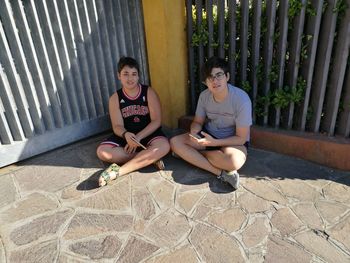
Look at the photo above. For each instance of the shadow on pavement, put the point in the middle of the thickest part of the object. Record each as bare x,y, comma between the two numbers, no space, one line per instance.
188,175
90,183
263,164
81,154
260,165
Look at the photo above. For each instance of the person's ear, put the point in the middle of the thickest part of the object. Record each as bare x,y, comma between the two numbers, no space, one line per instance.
227,76
118,75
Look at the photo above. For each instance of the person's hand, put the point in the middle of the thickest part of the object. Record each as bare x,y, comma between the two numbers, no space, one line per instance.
195,132
207,140
194,137
131,146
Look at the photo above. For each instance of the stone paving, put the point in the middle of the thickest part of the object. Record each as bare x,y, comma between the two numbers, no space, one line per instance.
286,210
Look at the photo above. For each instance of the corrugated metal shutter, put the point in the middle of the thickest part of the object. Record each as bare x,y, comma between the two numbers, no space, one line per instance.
58,64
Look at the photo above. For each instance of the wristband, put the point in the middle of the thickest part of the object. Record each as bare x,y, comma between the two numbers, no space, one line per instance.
123,134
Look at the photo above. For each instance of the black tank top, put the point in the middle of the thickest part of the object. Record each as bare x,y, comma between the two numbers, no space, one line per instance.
135,110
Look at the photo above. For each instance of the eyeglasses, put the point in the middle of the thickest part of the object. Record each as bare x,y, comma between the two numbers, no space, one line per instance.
218,76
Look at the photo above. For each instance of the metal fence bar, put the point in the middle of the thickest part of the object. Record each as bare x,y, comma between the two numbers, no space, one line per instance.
232,40
255,58
43,67
9,108
221,28
82,58
126,24
307,68
22,66
33,65
105,42
191,61
268,52
5,133
62,58
340,61
133,32
117,15
117,49
142,59
14,85
294,61
344,119
98,54
53,63
244,40
324,52
199,21
72,61
91,63
281,52
210,22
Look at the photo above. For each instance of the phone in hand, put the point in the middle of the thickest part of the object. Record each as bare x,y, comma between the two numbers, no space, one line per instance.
194,136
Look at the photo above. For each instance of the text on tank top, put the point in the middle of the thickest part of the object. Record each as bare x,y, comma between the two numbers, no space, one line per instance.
134,110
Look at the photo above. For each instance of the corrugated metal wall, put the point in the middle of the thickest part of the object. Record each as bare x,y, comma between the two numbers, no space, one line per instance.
58,64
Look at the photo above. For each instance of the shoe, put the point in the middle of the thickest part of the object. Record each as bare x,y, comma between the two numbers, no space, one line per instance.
106,175
231,178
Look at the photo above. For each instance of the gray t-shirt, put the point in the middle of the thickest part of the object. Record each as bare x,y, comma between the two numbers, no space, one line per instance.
223,117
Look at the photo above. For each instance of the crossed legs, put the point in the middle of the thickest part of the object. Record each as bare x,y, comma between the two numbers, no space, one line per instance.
214,161
132,162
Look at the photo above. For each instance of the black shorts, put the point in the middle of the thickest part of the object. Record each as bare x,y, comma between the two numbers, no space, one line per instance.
211,148
117,141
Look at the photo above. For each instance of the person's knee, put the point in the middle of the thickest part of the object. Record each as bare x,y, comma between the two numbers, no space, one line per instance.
236,163
160,149
165,148
103,155
98,152
175,142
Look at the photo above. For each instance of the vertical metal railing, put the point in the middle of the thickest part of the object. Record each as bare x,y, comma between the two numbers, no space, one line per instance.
297,77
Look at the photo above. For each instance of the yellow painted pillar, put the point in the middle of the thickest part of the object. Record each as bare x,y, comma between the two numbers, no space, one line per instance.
165,24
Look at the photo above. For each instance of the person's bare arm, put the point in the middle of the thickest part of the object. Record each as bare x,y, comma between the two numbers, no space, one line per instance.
197,125
242,135
116,115
154,107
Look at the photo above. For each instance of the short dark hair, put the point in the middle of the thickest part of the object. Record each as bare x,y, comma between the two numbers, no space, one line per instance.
213,62
128,61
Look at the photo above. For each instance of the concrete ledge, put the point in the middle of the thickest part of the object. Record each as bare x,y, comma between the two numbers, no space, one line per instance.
329,151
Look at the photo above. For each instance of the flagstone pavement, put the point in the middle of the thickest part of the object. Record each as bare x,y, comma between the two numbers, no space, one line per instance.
286,210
